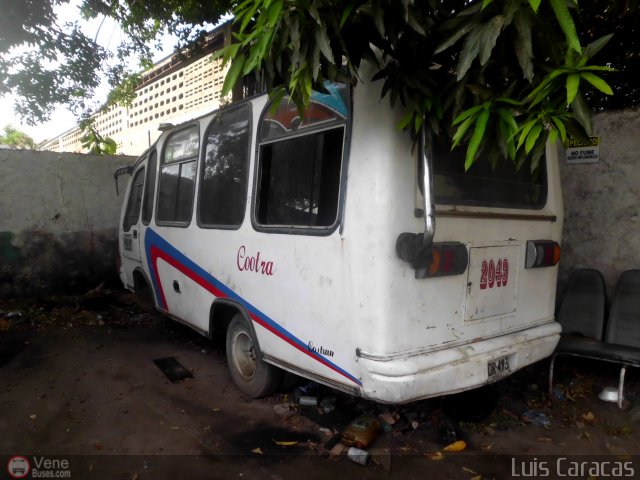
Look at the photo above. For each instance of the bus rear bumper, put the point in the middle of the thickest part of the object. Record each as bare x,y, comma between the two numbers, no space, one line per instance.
415,377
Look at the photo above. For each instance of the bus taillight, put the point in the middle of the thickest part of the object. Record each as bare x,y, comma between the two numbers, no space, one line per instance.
448,258
542,253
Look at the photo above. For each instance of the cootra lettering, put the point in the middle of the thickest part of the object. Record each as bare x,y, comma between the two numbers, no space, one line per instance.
253,263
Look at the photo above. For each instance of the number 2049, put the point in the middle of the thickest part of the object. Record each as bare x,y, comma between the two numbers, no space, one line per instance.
494,274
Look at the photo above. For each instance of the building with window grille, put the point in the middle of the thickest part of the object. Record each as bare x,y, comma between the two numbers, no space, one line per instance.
178,88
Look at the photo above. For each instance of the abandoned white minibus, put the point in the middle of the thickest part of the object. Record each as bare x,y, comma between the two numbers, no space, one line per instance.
311,244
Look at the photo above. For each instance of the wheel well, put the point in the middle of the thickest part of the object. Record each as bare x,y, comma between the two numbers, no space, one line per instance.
140,283
143,291
220,318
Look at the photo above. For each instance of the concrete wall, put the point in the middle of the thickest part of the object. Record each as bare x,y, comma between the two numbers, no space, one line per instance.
602,202
58,220
59,213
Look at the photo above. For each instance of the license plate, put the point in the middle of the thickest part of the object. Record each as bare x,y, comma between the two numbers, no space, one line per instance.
499,368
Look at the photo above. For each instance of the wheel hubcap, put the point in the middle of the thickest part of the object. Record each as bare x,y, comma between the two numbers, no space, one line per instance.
244,355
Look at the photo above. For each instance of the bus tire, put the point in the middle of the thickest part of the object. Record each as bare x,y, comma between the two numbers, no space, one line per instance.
249,372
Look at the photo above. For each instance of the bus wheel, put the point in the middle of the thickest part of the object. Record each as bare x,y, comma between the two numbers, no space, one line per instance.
251,375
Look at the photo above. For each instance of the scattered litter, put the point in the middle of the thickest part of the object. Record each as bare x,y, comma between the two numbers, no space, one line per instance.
414,424
285,443
435,456
333,441
33,416
544,439
308,401
326,431
258,451
328,404
609,394
337,450
468,470
589,417
450,434
15,314
387,417
328,408
361,432
359,456
537,418
558,394
456,446
284,410
306,390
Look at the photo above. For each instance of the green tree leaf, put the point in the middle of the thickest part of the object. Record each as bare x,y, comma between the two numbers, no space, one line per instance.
233,75
566,24
597,82
489,36
532,137
476,139
523,44
582,113
573,83
470,50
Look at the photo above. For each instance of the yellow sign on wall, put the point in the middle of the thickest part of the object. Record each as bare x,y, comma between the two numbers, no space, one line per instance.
580,152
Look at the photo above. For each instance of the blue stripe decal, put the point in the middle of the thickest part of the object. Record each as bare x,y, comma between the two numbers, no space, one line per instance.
153,239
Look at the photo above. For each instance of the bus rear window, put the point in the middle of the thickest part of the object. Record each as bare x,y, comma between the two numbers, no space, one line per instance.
482,185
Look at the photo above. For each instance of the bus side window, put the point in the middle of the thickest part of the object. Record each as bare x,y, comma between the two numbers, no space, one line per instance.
300,161
222,193
135,199
300,180
147,203
177,177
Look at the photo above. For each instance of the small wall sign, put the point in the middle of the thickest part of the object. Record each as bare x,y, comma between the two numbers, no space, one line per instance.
580,152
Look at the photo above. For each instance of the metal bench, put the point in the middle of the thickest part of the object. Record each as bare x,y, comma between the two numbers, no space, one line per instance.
582,318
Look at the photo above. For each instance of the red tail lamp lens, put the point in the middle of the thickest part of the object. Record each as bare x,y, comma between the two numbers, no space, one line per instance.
448,258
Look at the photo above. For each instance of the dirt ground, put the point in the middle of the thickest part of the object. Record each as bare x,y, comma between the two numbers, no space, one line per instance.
78,383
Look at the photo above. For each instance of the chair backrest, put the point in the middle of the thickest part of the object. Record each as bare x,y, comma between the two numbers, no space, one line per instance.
583,305
623,326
